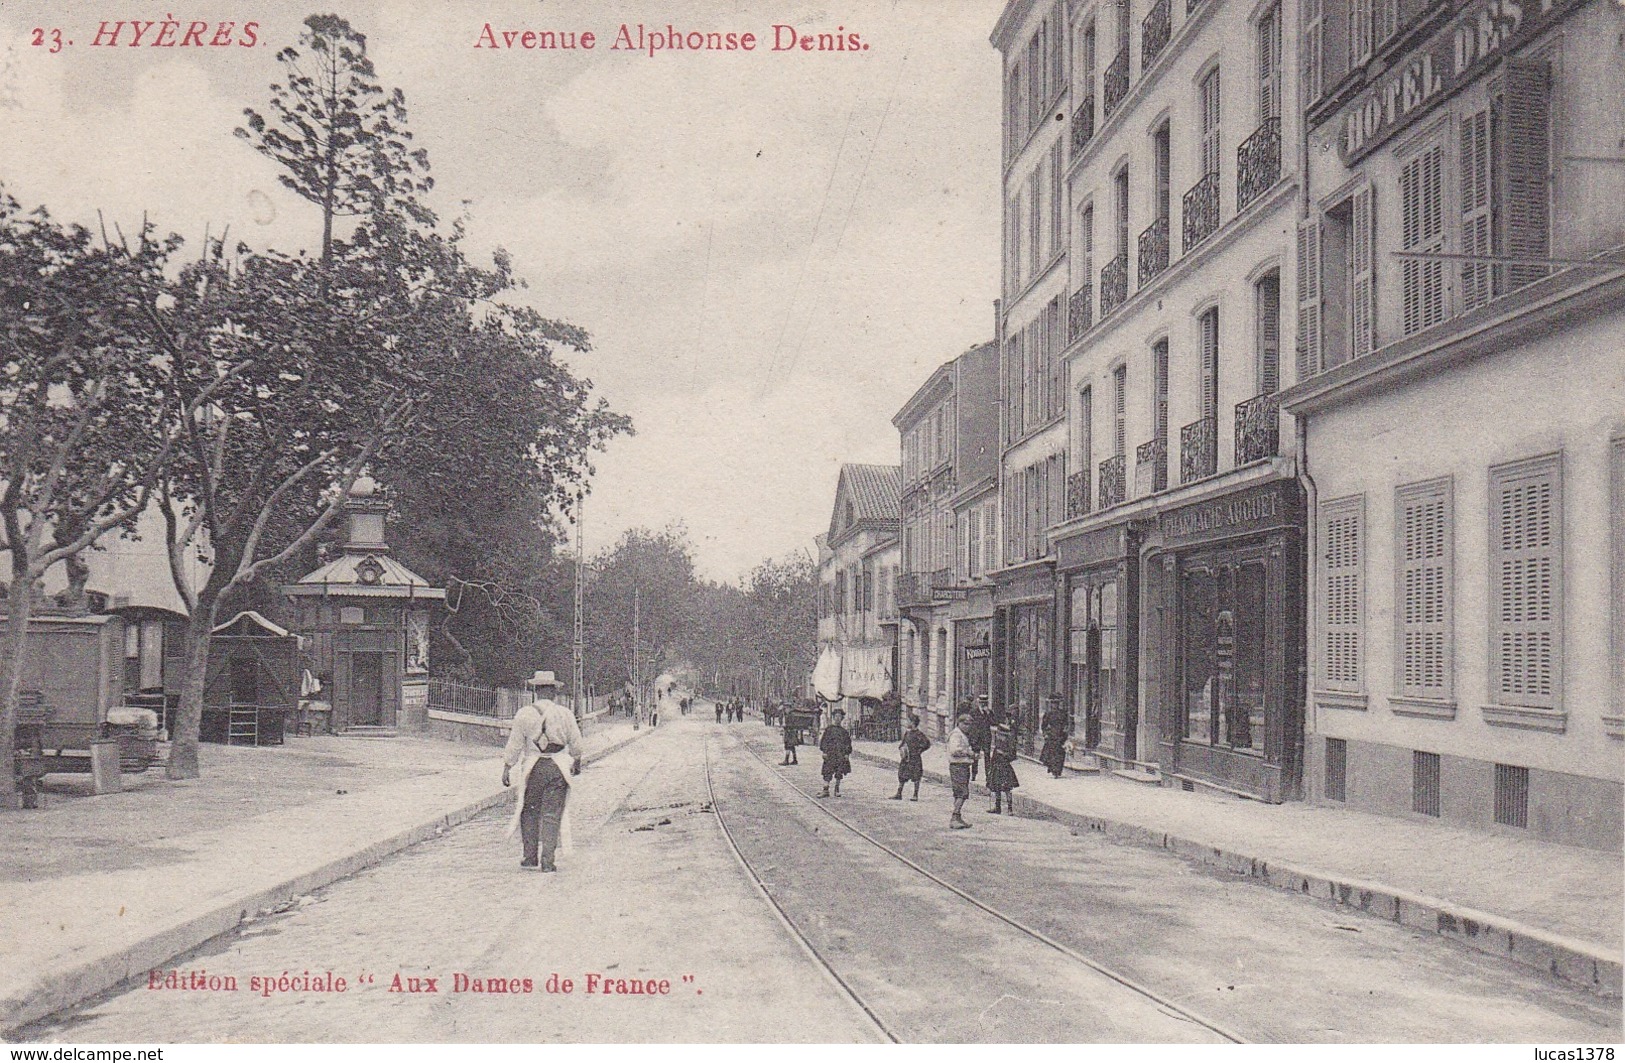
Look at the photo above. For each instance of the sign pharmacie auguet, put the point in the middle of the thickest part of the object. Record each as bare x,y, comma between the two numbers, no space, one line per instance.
1451,59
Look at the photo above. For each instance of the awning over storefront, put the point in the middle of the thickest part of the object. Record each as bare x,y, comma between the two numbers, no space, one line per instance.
867,672
826,675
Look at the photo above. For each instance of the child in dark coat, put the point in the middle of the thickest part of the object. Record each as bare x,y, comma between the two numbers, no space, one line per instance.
1001,765
910,768
836,745
792,738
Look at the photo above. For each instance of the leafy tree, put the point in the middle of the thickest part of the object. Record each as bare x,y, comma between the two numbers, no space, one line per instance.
658,569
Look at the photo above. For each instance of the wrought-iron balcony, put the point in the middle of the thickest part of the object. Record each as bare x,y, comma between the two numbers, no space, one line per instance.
1258,428
1201,211
1258,163
1115,86
1154,250
1151,467
1077,494
1154,32
1198,450
1113,481
1113,284
1080,312
1083,124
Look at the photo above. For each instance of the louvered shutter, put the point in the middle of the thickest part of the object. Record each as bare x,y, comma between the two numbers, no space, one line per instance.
1423,549
1057,198
1526,583
1523,158
989,540
1310,355
1210,364
1269,334
1476,285
1385,21
1120,410
1421,190
1311,48
1359,30
970,539
1362,273
1342,544
1269,66
1211,105
1159,389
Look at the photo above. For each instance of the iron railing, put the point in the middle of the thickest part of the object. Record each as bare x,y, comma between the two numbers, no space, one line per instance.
1113,481
1198,450
1151,467
446,695
1258,428
1154,32
1154,249
1201,211
1077,494
1080,312
1113,284
1258,162
1083,124
1115,85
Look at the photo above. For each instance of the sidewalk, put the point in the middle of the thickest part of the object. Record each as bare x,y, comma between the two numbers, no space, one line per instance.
1553,907
101,889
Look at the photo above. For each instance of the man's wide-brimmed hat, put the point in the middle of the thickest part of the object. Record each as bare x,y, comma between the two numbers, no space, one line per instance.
544,679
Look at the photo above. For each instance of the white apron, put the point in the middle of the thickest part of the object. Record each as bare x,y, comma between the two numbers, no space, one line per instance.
563,759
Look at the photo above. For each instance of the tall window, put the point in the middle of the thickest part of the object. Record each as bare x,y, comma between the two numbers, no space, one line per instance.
1522,105
1015,111
1120,206
1210,122
1210,364
1342,544
1421,196
1526,583
1424,607
1057,198
1159,391
1086,64
1359,30
1159,151
1055,368
1012,244
1476,212
1269,65
1035,228
1086,429
1086,228
1125,25
1267,329
1119,410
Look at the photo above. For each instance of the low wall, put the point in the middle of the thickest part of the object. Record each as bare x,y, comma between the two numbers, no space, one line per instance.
466,727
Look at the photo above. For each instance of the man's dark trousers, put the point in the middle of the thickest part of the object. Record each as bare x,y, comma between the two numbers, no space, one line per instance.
545,794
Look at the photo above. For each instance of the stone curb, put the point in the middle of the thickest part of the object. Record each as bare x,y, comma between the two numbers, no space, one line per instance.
1579,963
53,991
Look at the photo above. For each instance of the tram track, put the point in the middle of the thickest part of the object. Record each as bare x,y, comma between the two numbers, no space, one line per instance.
1166,1005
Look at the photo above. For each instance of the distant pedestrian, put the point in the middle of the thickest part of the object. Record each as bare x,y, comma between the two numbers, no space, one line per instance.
961,762
1056,727
836,745
910,767
792,738
980,733
719,707
545,743
1001,765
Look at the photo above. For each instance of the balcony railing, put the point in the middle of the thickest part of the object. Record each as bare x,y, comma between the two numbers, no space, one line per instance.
1080,312
1083,124
913,588
1116,85
1154,250
1151,467
1201,211
1154,33
1113,481
1113,284
1258,428
1198,450
1077,494
1258,163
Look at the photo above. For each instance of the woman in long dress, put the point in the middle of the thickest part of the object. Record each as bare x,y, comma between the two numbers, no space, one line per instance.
1055,728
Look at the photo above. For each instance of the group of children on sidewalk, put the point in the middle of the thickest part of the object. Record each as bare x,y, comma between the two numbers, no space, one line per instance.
977,737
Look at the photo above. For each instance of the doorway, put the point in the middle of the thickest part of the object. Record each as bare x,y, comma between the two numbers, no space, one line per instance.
367,690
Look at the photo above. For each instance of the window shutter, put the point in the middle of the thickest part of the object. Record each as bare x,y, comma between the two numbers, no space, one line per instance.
1269,66
1210,365
1424,533
989,540
1342,536
1360,31
1269,334
1035,222
1362,279
1421,189
1210,124
1385,22
1056,198
1120,411
1476,285
1309,353
1526,583
1523,157
1312,46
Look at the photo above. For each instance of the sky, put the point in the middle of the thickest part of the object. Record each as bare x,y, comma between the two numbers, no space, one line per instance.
770,250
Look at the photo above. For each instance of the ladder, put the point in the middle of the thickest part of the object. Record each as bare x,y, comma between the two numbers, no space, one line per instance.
243,726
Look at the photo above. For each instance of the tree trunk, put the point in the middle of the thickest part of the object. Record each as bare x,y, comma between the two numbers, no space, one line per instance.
13,653
189,712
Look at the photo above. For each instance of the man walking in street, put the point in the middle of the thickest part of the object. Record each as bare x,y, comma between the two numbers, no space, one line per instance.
980,733
545,743
961,761
836,745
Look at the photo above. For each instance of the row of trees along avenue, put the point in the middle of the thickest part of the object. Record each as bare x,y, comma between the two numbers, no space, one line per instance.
241,391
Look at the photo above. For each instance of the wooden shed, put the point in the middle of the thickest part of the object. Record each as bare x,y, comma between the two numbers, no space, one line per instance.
253,682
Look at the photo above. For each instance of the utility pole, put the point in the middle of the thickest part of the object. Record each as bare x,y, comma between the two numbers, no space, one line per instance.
637,668
578,666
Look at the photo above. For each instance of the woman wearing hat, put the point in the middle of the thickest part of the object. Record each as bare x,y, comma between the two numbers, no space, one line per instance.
836,745
1001,764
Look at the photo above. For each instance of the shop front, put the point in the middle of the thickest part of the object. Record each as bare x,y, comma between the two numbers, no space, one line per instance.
1098,573
1023,648
1227,586
973,653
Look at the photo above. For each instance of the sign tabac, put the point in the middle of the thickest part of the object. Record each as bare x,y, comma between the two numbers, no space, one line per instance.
1450,60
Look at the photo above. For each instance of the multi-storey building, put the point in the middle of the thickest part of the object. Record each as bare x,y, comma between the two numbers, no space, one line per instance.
1463,404
1161,502
857,573
949,435
1032,36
